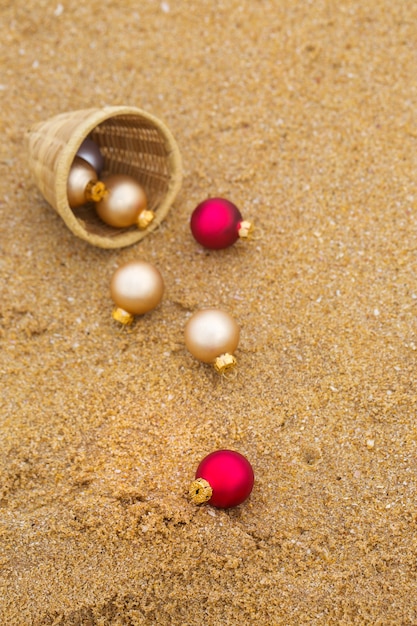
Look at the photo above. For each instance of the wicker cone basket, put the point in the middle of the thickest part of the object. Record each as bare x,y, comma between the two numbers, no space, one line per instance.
132,142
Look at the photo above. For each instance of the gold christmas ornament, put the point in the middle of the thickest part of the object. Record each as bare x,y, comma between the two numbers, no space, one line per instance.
212,335
136,288
124,204
82,184
132,142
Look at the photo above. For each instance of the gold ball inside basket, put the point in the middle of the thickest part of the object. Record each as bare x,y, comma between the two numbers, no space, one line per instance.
132,142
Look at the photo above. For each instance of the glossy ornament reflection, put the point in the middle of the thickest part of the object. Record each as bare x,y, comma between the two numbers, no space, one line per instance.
125,203
212,335
83,185
136,288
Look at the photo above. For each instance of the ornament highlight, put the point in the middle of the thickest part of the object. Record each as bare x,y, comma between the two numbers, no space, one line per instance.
83,185
217,223
90,152
212,335
224,479
136,288
125,203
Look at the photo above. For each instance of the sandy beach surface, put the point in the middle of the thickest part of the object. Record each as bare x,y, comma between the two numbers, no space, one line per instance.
304,114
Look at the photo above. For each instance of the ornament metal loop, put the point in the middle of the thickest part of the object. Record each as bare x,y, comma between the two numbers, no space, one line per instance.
229,373
200,491
122,316
245,229
145,218
224,362
95,191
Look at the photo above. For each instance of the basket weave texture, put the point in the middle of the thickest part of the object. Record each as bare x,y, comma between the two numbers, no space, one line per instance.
132,142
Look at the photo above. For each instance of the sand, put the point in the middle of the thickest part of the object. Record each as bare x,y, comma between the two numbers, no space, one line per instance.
304,115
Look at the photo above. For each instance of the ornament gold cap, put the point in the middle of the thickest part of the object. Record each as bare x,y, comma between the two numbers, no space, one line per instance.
95,191
122,316
245,229
145,218
200,491
224,362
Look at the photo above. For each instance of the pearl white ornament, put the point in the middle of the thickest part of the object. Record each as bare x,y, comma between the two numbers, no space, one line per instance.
136,288
212,335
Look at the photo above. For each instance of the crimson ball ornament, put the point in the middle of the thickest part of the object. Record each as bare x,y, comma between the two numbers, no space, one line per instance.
217,223
224,479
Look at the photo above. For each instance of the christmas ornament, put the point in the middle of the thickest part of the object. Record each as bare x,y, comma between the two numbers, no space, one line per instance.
217,223
224,479
124,204
90,152
82,184
212,336
136,288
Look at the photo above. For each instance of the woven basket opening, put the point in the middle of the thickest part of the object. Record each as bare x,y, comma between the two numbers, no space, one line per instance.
132,141
135,147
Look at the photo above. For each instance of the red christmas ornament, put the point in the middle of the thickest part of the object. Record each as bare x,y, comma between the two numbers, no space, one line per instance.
217,223
224,479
